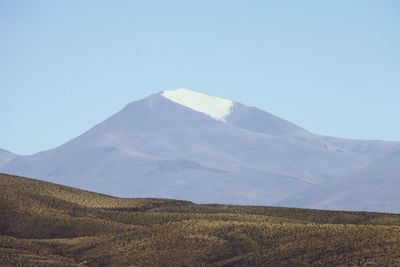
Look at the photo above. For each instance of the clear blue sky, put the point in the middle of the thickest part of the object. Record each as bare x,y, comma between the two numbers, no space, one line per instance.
332,67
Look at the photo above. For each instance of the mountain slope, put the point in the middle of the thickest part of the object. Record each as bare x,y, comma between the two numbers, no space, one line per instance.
5,157
372,188
43,224
175,147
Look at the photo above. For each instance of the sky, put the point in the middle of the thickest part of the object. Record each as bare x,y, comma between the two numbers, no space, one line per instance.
332,67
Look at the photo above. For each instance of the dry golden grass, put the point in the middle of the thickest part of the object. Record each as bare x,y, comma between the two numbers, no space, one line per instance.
43,224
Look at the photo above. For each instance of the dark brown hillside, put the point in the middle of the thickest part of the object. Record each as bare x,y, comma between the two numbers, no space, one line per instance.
43,224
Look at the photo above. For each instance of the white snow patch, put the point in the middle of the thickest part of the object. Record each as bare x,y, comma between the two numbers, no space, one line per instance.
215,107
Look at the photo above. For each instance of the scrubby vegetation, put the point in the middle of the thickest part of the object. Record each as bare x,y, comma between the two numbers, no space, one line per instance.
43,224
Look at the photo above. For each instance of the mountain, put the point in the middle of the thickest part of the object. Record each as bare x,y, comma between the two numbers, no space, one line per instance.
5,157
372,188
183,144
45,224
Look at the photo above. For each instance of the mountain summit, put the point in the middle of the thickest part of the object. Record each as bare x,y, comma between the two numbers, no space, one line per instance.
188,145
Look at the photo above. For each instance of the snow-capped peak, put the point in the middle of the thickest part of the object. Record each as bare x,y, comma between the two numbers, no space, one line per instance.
215,107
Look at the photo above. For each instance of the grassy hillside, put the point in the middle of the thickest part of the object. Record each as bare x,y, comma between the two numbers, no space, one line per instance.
43,224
